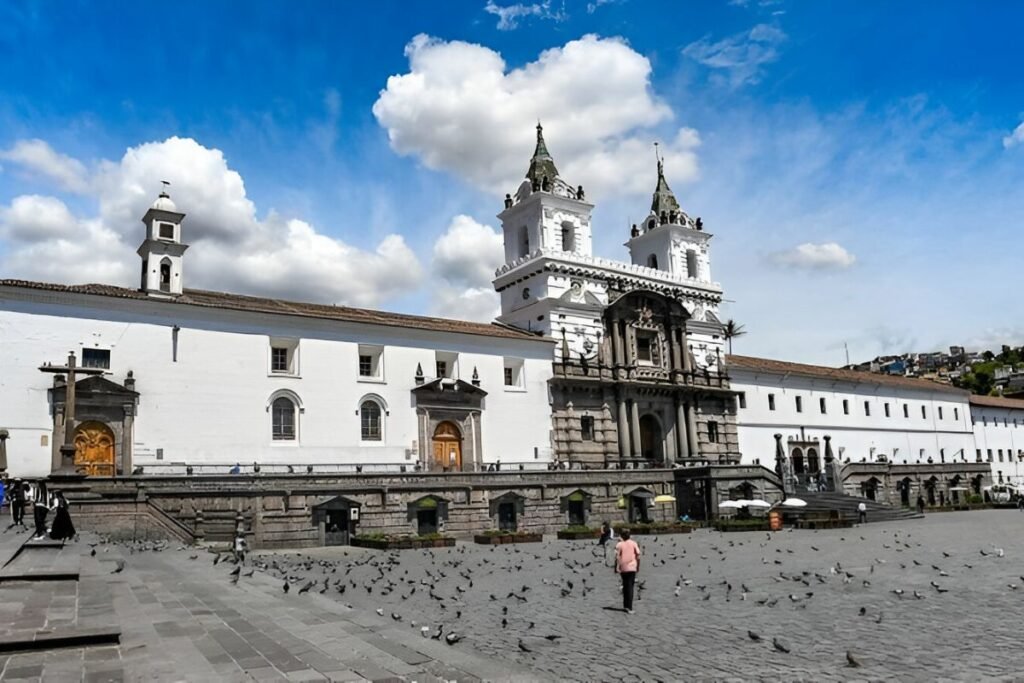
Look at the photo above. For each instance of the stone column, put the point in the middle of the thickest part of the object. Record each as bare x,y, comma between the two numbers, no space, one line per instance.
617,354
683,443
687,364
634,419
127,440
623,427
630,340
673,345
691,429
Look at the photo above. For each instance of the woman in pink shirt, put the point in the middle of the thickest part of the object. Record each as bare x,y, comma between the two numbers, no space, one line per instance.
627,564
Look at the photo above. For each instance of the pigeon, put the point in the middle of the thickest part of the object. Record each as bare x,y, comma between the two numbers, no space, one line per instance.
92,553
286,587
753,636
437,636
305,589
552,638
452,638
236,571
851,661
780,646
522,646
120,567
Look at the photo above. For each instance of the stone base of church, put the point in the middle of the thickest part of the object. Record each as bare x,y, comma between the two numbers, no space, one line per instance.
279,511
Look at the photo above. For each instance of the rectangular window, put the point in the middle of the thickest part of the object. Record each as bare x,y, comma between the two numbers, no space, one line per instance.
867,408
956,414
166,231
587,427
96,358
924,413
279,359
940,412
647,347
988,452
284,356
942,455
712,431
513,372
887,410
771,401
846,407
445,364
1000,455
906,410
977,455
370,365
799,404
821,406
743,401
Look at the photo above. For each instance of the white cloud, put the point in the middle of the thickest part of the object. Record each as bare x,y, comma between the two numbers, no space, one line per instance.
465,258
1014,138
468,252
37,158
509,15
814,256
232,249
741,56
459,109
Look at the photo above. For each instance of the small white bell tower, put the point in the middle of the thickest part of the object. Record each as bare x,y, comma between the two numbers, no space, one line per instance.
162,250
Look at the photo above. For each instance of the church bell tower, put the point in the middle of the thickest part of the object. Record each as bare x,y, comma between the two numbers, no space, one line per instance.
162,250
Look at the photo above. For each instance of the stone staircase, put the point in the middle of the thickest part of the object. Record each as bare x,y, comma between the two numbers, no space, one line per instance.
824,503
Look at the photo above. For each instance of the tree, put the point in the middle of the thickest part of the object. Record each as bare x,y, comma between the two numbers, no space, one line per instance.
732,330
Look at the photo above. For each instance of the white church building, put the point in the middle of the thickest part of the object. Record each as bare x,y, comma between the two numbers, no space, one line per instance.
593,363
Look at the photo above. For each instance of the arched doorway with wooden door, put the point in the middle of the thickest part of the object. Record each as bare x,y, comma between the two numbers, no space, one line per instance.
94,449
651,442
447,447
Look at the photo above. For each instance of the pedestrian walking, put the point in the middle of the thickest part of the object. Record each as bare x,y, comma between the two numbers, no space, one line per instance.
62,529
1020,503
606,534
17,496
627,564
240,546
920,505
40,510
862,513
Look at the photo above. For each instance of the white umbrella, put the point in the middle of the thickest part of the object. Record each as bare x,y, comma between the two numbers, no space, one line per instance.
794,503
730,504
757,503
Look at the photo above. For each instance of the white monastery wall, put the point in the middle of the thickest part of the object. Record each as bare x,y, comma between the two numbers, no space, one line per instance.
999,440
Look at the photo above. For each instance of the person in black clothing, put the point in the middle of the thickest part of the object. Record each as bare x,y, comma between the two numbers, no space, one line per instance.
17,496
920,505
40,509
62,528
606,533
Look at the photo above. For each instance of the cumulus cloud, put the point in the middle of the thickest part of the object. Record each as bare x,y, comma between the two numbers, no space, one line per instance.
739,59
1014,138
509,15
811,256
459,109
37,158
232,248
465,258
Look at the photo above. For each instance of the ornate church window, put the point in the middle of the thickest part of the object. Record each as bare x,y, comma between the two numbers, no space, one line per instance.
712,431
587,427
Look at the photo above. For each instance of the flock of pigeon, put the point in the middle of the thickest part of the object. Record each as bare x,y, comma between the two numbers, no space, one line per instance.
450,594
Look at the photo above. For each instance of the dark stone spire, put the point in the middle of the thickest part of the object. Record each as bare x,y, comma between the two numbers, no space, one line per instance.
541,165
664,202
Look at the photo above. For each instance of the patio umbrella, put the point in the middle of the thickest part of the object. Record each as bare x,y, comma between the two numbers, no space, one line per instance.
794,503
757,503
664,498
735,504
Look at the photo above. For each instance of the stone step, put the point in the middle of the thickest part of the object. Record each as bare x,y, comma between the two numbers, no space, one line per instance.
70,637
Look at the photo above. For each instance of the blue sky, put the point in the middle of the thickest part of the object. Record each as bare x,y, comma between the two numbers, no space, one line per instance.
858,163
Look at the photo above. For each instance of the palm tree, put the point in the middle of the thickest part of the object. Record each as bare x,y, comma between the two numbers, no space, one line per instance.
732,330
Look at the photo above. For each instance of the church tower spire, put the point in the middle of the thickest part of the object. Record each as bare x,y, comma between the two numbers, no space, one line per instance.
162,249
542,165
664,205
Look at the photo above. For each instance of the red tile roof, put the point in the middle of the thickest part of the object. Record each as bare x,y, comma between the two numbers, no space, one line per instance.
840,374
239,302
997,402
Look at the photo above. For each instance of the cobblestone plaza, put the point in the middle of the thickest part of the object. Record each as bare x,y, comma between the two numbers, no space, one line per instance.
925,599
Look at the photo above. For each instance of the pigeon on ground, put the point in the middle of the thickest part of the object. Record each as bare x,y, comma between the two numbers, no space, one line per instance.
780,646
452,638
851,661
522,646
120,567
753,636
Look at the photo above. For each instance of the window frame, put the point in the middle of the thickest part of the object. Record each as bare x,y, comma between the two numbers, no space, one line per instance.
375,353
92,350
451,361
587,428
297,411
713,433
517,368
291,349
771,402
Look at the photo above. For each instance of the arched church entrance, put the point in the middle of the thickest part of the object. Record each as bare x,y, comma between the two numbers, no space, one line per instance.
94,449
797,458
447,447
651,442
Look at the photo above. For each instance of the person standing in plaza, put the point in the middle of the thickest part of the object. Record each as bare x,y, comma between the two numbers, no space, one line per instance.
17,496
40,510
627,564
920,505
606,534
862,513
240,548
62,528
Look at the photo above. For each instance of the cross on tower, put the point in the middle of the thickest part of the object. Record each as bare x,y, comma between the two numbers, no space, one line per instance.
67,449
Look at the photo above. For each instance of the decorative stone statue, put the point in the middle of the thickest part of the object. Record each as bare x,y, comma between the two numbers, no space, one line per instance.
508,201
579,193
